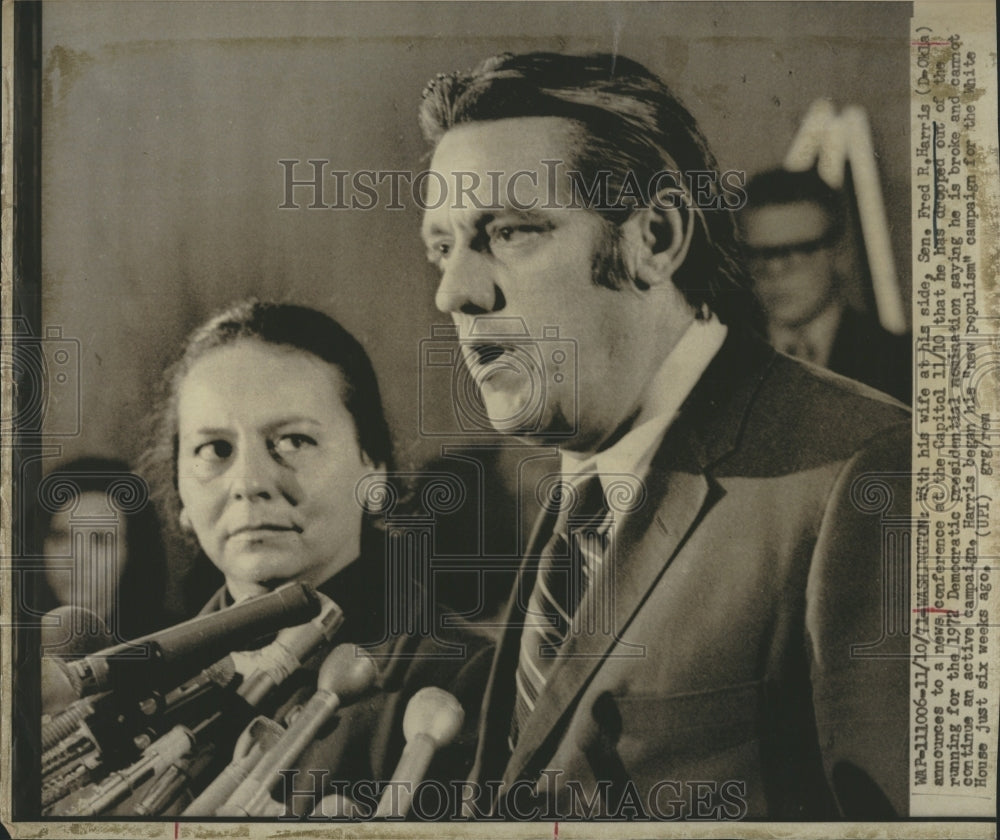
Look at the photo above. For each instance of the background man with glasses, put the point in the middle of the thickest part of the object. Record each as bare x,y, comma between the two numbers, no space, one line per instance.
792,226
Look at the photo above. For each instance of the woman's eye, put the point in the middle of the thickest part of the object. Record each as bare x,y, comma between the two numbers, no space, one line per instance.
213,450
292,443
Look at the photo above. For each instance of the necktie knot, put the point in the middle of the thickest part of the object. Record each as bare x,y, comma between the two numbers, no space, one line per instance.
582,506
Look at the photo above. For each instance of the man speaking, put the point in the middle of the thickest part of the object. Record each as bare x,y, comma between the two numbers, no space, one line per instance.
714,642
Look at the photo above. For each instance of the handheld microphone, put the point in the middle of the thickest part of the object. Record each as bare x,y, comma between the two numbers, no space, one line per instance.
67,631
267,668
432,719
61,685
155,760
57,727
163,658
68,767
117,720
55,789
263,671
260,735
346,675
72,630
170,786
121,727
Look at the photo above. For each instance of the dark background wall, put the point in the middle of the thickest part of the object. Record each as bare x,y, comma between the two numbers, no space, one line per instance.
163,124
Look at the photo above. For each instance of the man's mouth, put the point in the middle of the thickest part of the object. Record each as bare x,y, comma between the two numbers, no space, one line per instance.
486,354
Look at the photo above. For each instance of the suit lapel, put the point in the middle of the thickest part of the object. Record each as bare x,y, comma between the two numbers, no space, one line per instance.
644,543
646,540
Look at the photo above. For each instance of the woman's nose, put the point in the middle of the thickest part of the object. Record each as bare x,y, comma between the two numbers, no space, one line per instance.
254,473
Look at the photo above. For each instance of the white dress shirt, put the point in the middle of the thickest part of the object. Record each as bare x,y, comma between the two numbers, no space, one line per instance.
666,392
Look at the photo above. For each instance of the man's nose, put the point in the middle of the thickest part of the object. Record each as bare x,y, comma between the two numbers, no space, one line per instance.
467,285
254,473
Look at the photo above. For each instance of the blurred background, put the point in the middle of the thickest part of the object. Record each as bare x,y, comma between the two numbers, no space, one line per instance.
163,124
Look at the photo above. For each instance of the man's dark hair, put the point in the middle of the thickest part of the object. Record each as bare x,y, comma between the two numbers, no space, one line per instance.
780,186
631,126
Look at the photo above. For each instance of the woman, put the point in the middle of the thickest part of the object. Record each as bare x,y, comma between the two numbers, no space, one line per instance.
271,418
102,548
271,424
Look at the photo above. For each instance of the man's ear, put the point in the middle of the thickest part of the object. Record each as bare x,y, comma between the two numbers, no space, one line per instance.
184,519
657,239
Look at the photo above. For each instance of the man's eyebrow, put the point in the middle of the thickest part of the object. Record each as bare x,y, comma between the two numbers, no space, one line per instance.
524,214
478,223
434,229
482,219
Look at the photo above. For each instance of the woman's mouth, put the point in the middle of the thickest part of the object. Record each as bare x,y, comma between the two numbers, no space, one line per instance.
263,529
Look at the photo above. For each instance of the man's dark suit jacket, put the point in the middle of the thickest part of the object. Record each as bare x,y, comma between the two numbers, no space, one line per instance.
756,646
864,351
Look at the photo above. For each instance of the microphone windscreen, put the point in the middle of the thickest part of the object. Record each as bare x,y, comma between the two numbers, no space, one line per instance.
68,632
71,630
435,713
349,672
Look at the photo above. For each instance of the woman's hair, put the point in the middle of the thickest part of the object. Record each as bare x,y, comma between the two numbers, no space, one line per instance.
283,325
144,575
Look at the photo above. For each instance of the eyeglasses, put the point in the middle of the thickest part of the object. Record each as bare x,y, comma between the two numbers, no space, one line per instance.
789,250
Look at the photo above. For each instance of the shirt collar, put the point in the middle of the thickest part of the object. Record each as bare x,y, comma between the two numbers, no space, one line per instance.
667,390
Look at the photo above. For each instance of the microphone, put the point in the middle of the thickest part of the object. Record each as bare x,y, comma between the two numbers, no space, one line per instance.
203,687
346,675
116,720
260,735
72,630
432,719
61,686
67,631
121,727
171,756
62,725
170,786
263,671
69,768
163,658
155,759
267,668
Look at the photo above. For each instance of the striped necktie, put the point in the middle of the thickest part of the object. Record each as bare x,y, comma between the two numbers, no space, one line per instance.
567,562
